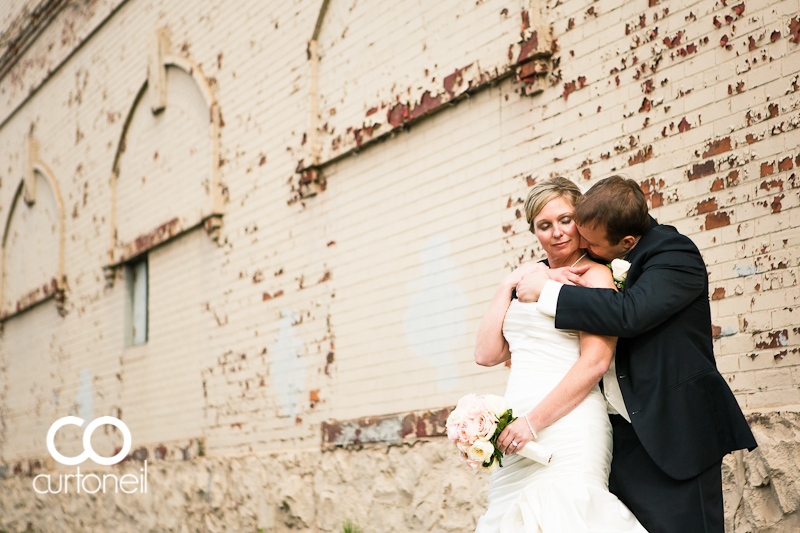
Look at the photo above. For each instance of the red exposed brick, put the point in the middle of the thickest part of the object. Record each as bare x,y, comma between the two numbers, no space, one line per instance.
732,179
719,293
684,125
785,164
675,41
657,200
794,30
718,185
766,169
772,184
528,48
706,206
397,114
776,204
718,147
773,110
717,220
775,339
426,104
568,88
702,169
738,9
641,156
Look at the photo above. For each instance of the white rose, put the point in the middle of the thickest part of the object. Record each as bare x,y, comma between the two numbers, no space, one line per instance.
619,269
497,405
480,451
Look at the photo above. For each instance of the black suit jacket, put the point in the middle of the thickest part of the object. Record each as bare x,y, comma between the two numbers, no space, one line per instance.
681,408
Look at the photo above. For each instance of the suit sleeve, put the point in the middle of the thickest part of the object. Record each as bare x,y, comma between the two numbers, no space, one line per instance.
670,281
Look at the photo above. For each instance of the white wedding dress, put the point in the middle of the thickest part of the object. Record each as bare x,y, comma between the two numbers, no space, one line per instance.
570,495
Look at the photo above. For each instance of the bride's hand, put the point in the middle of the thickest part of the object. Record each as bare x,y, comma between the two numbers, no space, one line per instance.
531,285
521,271
569,275
516,432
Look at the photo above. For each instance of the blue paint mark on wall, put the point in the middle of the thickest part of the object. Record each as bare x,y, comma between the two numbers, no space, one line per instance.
287,367
84,398
435,319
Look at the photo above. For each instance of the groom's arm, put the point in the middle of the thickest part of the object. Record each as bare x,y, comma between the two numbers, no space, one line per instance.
670,281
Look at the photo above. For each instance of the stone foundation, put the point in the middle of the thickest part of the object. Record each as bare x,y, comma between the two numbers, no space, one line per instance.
417,485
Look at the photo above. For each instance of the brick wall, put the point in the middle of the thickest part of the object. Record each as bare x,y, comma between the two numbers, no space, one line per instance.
354,260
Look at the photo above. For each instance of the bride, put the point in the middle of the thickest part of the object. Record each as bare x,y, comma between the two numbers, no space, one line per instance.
553,389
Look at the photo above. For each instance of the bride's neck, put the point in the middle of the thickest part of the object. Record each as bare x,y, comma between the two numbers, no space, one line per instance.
566,261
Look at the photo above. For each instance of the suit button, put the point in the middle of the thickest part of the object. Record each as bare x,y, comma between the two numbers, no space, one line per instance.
633,413
622,376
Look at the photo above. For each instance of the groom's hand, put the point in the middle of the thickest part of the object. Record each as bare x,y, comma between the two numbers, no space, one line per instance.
530,287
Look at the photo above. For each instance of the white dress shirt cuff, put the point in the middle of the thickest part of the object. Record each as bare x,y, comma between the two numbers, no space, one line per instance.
548,300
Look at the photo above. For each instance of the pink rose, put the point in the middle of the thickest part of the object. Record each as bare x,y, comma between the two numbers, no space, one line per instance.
465,400
473,464
486,426
469,430
453,432
476,407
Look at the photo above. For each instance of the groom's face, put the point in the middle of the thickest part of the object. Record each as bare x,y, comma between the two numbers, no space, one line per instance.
595,241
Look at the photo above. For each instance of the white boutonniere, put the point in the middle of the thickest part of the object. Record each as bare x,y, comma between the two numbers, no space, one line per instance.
619,271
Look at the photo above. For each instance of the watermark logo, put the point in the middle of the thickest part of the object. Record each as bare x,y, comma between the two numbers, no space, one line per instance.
88,451
128,483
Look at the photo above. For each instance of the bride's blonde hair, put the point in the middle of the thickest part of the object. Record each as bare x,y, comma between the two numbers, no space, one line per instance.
543,192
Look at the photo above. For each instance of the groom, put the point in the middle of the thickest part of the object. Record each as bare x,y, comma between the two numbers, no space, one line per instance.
678,417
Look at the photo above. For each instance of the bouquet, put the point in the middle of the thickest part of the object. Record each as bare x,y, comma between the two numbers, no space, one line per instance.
475,424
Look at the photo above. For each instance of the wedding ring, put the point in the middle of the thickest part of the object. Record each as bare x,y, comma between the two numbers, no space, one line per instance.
514,443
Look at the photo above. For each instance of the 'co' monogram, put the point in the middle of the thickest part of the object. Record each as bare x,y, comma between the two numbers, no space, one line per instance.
88,452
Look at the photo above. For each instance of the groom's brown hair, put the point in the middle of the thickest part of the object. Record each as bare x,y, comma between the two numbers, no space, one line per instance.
616,203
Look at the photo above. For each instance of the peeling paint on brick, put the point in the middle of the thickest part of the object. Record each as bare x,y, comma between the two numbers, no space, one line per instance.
707,206
701,169
717,220
717,147
641,156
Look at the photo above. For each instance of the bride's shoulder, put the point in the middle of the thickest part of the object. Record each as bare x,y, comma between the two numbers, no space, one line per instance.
599,275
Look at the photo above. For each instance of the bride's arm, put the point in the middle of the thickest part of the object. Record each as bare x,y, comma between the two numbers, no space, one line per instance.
596,353
491,347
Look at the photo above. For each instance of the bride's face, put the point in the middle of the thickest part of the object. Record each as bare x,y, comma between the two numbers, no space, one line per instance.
555,228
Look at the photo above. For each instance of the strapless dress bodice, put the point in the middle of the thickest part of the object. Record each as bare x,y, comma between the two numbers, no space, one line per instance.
541,355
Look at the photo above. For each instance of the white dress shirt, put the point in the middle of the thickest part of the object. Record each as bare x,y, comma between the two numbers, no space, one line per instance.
547,304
